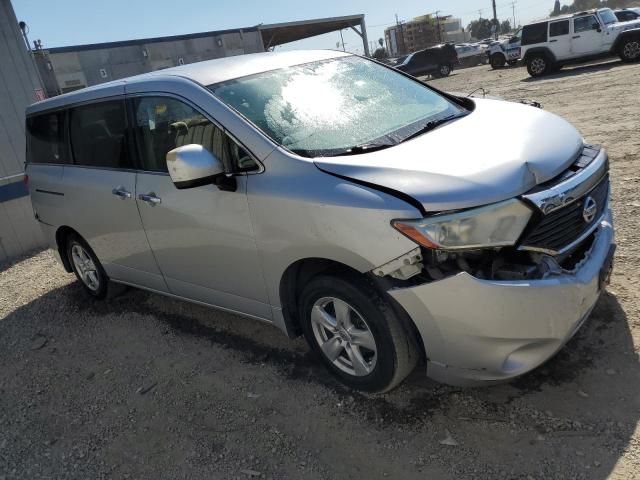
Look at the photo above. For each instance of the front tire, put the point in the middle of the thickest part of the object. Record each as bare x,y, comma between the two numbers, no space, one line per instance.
630,50
356,333
498,61
538,65
444,70
87,267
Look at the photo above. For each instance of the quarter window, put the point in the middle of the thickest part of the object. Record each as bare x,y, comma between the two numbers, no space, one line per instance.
584,24
98,135
557,29
46,141
163,123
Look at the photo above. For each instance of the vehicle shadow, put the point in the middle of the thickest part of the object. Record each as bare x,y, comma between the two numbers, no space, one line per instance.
584,399
579,69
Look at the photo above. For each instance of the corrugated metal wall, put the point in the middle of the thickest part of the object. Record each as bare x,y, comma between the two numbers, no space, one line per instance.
19,232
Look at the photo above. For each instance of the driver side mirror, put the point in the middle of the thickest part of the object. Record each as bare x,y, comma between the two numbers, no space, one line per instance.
193,166
596,26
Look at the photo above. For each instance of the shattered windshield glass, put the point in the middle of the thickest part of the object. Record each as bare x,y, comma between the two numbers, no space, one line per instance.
331,106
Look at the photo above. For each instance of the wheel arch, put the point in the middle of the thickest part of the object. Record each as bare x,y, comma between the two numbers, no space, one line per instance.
298,274
633,33
62,234
537,51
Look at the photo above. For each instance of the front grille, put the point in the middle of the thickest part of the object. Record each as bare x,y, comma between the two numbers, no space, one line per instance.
565,225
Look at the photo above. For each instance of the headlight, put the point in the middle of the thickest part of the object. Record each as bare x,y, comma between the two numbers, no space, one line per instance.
496,225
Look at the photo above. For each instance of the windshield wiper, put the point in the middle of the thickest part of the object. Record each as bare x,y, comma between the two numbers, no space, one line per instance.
366,148
430,126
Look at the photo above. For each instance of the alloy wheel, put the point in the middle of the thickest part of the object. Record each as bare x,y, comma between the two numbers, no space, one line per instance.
538,65
85,267
632,50
445,70
343,336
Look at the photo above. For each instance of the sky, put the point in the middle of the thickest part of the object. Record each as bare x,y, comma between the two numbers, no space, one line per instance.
73,22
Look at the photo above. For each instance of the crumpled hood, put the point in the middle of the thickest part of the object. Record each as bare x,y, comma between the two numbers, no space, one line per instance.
499,151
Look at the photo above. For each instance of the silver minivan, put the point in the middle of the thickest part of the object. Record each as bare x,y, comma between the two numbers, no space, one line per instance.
336,198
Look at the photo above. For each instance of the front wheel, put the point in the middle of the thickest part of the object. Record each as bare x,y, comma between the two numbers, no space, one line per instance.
537,65
498,61
356,333
630,50
444,70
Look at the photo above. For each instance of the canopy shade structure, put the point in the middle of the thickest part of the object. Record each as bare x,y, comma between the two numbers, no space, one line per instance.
280,33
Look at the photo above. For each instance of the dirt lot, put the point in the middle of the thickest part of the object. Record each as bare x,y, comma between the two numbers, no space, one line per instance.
147,387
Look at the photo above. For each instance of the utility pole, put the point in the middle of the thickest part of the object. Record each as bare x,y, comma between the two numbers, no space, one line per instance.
513,9
495,18
438,26
400,29
342,40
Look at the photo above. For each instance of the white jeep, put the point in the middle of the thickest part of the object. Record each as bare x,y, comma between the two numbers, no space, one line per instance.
549,45
505,51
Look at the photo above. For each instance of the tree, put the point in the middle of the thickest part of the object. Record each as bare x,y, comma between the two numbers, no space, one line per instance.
480,28
556,9
381,42
380,53
505,26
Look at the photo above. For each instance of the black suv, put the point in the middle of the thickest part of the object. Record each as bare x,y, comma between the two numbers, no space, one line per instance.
437,61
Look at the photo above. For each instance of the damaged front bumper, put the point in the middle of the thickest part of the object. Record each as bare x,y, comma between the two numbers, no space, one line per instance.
478,331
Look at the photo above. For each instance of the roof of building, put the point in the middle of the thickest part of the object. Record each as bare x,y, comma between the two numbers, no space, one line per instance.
205,73
287,32
146,41
272,34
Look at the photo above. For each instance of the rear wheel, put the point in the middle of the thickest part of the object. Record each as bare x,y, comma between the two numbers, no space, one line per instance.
87,267
498,61
537,65
356,333
630,50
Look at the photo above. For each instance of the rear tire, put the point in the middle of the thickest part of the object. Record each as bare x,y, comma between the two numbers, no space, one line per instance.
356,333
87,267
498,61
538,65
630,50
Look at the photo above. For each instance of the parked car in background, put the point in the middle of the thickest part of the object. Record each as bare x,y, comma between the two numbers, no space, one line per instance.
437,61
470,55
549,45
335,198
505,51
627,14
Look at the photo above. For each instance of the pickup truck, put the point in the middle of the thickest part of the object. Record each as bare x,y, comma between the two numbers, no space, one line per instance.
550,44
505,51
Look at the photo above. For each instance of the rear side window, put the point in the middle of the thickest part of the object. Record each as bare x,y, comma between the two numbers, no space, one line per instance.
99,135
557,29
46,142
536,33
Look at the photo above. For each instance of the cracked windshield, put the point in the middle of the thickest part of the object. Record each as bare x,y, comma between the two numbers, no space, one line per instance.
328,107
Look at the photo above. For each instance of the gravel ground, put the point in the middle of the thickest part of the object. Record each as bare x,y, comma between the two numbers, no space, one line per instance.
142,386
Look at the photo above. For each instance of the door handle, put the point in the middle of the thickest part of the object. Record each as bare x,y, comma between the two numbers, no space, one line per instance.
576,36
150,198
121,193
552,41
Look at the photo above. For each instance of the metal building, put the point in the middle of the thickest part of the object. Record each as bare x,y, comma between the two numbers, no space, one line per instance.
65,69
19,87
